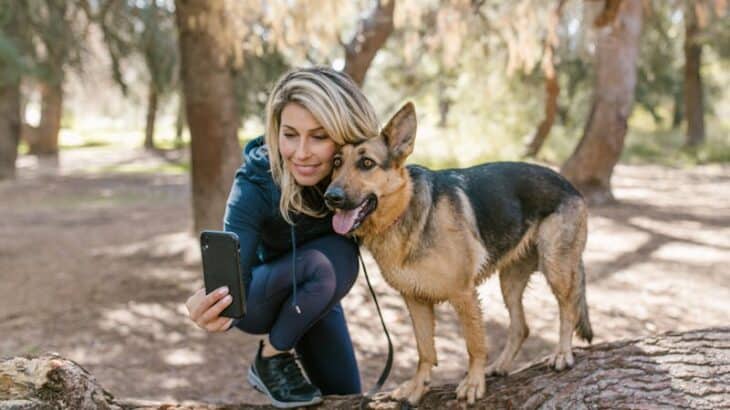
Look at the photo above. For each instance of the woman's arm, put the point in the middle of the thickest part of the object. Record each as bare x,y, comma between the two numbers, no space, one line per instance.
246,209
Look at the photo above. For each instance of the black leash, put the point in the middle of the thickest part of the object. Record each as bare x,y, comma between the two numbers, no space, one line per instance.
389,361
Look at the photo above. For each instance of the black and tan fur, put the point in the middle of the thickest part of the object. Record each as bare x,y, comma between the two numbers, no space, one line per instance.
436,235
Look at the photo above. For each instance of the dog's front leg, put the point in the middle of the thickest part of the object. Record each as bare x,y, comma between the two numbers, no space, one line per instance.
423,324
472,387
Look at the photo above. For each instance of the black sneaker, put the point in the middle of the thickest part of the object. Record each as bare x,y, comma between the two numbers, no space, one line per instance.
281,378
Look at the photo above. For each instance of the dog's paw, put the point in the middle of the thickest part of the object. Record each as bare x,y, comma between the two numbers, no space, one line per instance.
561,360
497,369
402,391
472,387
412,391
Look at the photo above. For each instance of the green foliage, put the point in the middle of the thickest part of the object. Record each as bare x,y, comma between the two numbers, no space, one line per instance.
14,42
255,80
666,147
115,20
11,60
492,111
455,60
170,168
158,43
660,65
143,28
50,35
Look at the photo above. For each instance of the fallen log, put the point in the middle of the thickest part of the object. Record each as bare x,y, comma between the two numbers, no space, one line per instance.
673,370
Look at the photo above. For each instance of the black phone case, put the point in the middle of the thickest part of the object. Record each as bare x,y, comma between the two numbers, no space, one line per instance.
221,267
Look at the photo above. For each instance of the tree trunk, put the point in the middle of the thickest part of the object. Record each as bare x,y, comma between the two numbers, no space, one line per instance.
608,14
46,143
590,166
371,35
673,370
10,94
180,123
693,98
552,87
211,107
149,133
9,128
677,109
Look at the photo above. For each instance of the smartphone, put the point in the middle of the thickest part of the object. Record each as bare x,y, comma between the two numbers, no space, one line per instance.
221,267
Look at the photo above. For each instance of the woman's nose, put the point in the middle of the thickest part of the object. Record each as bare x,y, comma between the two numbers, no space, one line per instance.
302,149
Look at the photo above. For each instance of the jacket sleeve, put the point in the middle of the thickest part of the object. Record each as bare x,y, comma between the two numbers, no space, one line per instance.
246,209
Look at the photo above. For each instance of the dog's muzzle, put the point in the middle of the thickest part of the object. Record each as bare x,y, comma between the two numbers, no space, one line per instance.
334,197
348,214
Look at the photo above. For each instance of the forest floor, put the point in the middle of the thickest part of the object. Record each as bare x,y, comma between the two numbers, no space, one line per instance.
97,266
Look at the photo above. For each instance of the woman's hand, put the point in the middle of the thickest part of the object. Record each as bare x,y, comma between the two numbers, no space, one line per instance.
205,310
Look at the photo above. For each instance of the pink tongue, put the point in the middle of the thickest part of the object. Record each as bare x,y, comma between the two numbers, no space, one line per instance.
343,221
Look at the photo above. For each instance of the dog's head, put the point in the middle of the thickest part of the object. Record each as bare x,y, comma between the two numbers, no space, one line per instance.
365,174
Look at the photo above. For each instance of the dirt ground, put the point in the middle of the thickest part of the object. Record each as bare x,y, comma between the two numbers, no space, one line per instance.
97,267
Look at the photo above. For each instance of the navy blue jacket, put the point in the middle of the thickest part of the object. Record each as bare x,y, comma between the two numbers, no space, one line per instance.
252,212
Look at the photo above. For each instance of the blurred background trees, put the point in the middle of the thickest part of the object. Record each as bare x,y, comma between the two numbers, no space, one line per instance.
580,84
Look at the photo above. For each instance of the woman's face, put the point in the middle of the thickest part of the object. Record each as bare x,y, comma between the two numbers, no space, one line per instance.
306,148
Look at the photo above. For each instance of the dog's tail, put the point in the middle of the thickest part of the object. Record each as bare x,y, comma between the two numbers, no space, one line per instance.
583,327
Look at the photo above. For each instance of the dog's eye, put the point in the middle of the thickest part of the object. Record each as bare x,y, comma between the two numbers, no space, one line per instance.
337,162
367,163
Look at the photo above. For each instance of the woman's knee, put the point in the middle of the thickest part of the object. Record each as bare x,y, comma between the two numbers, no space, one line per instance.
342,253
249,324
345,261
319,270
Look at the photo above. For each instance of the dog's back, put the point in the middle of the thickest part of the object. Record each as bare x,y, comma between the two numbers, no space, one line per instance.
506,197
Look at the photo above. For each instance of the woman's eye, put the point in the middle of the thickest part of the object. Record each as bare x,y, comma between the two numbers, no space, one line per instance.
320,137
289,135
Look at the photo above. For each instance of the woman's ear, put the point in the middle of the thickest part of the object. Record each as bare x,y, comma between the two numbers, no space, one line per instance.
400,133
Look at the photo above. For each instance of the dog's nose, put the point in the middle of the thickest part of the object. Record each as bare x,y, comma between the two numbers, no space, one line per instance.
335,197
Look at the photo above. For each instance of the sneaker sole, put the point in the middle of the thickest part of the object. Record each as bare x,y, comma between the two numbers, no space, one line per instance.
257,384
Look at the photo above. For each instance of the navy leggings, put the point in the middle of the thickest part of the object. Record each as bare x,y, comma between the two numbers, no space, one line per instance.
326,269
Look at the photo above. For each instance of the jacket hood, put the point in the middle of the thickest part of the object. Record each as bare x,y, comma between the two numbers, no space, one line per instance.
256,161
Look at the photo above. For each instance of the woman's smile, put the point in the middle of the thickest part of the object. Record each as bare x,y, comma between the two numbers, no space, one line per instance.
306,169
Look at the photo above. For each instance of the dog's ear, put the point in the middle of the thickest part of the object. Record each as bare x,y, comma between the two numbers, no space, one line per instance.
400,133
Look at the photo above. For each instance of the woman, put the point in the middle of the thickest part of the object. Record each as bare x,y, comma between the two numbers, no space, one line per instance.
295,268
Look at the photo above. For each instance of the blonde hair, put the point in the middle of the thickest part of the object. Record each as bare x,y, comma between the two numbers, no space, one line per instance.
336,103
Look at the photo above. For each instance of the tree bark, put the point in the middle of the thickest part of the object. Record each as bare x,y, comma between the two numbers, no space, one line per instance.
372,33
693,95
608,14
9,128
46,143
677,109
211,108
149,133
673,370
552,87
10,97
180,123
590,166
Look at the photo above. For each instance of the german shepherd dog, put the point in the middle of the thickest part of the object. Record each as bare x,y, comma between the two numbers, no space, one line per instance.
436,235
